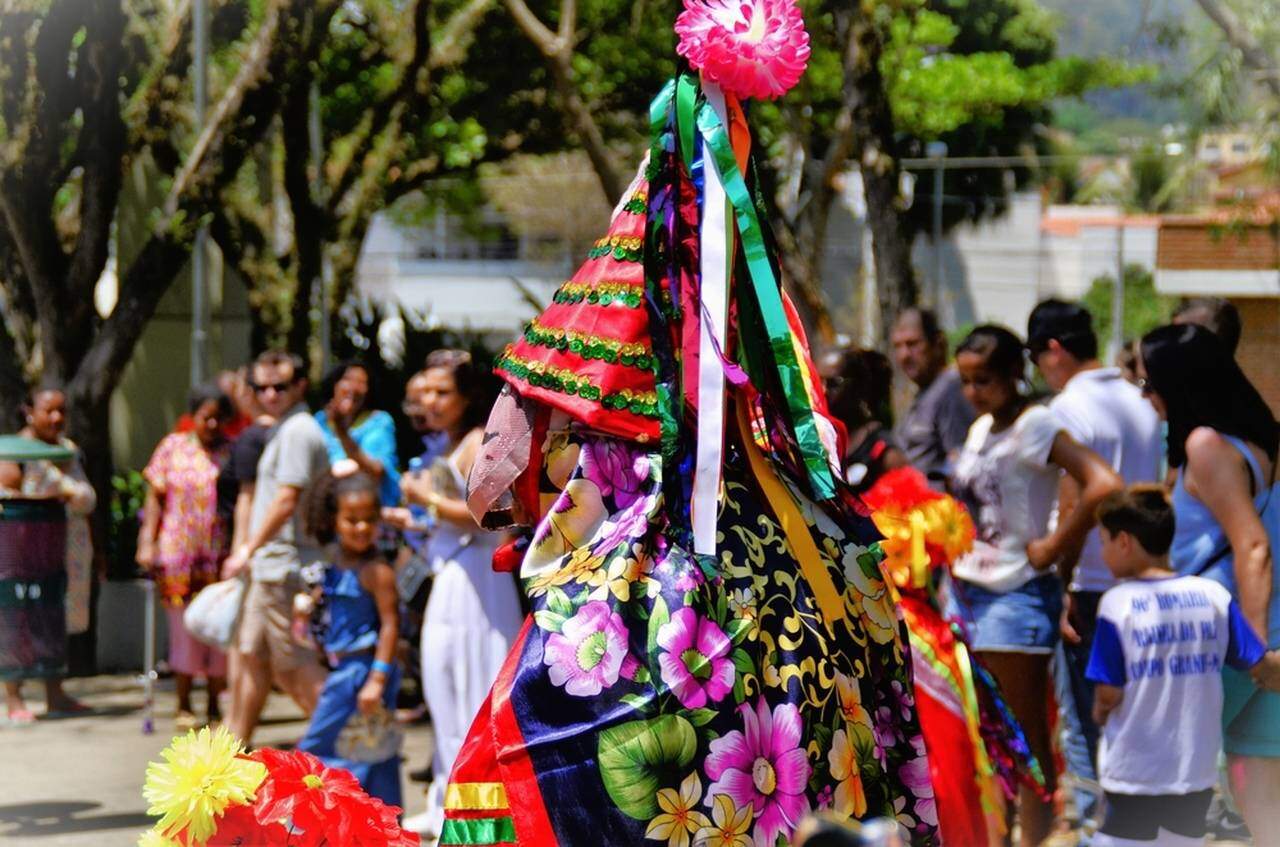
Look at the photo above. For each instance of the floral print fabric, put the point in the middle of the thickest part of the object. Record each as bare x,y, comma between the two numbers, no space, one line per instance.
191,540
708,703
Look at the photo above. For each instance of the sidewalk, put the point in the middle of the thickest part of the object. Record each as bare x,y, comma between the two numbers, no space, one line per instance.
77,782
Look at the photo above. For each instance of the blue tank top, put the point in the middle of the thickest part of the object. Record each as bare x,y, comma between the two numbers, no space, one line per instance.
353,620
1198,537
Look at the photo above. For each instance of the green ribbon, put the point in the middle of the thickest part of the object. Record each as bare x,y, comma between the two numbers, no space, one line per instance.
767,294
478,831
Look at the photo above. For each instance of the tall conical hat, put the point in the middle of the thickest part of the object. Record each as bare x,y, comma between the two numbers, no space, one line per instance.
589,353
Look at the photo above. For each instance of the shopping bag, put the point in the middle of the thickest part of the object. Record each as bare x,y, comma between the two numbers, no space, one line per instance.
213,615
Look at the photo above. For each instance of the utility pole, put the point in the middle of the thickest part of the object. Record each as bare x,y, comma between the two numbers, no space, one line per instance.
937,153
1117,293
199,261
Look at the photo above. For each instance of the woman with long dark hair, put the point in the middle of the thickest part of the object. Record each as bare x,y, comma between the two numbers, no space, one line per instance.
473,614
1006,590
1223,441
357,437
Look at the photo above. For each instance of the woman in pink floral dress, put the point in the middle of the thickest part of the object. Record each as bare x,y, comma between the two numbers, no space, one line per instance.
183,541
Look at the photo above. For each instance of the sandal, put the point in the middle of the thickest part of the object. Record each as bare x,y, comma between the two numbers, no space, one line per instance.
20,717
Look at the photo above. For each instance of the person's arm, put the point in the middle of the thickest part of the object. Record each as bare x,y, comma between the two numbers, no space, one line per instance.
76,491
10,475
1096,480
418,488
1106,699
278,514
1218,476
1106,668
243,514
380,581
151,509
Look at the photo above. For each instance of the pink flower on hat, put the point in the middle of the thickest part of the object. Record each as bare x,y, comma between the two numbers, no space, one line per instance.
753,48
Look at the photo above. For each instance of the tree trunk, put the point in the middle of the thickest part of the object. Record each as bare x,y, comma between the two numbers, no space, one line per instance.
874,150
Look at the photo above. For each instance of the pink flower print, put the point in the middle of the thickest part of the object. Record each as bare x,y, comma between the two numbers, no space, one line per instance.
586,656
902,699
695,664
616,469
916,779
765,767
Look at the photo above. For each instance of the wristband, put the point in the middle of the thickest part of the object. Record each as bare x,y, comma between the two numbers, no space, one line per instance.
381,667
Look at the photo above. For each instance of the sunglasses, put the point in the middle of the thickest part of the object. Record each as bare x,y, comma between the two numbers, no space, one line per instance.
277,387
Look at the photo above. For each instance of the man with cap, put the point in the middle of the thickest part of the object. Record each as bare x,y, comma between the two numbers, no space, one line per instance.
1108,414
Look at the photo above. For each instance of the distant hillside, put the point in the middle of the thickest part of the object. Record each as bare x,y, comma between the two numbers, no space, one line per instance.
1124,29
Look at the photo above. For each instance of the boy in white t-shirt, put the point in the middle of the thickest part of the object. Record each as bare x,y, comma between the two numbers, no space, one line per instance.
1157,658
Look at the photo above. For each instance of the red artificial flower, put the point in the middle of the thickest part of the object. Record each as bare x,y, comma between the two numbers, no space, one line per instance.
321,804
240,827
383,827
901,488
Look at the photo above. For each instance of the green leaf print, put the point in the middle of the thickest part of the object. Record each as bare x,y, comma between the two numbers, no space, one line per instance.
638,758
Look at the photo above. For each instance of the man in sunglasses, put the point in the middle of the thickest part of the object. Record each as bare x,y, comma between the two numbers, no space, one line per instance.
294,460
1108,414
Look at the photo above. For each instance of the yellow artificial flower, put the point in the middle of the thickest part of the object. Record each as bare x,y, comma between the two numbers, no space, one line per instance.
678,820
729,828
201,775
156,838
950,527
850,798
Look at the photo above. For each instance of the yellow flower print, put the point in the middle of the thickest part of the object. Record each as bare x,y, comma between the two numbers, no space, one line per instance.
678,820
571,523
629,573
582,566
850,798
850,697
561,457
729,827
743,603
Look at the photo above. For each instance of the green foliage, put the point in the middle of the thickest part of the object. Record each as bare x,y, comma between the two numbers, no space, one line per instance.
1144,308
128,494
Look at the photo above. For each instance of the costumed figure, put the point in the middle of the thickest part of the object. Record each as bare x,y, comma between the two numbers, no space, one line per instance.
713,652
978,755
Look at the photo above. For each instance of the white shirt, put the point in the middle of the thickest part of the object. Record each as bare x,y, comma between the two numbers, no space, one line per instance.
1165,641
1108,414
1010,488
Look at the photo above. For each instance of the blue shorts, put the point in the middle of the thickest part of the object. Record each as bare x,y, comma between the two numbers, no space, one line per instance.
1024,620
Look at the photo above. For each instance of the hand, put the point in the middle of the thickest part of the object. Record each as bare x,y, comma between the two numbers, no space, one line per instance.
1267,672
236,562
370,696
1040,553
340,411
417,488
344,468
397,516
1067,624
146,556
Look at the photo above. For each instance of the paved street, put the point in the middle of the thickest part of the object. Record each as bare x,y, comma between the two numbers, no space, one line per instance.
78,782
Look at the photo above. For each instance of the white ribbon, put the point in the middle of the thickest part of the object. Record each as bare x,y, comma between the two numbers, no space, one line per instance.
717,250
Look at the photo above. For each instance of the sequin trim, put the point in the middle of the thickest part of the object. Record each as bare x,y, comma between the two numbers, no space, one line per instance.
626,294
581,344
624,248
541,375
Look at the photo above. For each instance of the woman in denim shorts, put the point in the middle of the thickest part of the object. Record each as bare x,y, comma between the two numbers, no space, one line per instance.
1005,590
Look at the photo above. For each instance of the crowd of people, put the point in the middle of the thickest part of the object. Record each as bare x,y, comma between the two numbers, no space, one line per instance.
1110,504
1175,451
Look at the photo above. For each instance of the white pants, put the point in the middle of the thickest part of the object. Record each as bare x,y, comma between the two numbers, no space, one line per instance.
466,635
